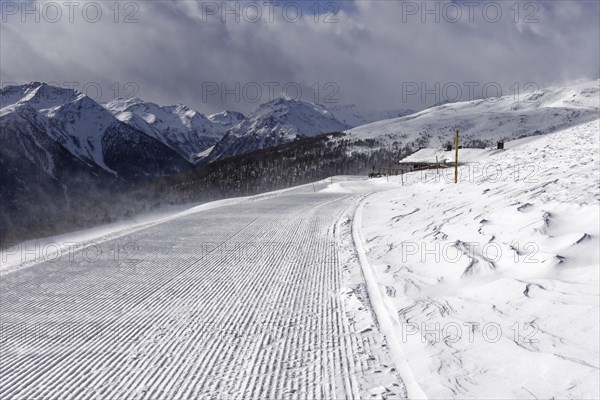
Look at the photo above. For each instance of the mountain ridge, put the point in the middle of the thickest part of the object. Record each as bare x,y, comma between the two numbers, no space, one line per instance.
273,123
483,122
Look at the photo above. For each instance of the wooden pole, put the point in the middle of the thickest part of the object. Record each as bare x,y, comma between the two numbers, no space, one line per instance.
437,166
456,158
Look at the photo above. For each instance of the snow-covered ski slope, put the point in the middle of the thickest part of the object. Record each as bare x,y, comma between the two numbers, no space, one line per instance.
322,291
249,300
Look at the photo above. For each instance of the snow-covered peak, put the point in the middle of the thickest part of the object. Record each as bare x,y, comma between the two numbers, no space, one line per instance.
282,105
185,130
123,103
276,122
68,108
176,117
38,95
290,117
72,119
227,119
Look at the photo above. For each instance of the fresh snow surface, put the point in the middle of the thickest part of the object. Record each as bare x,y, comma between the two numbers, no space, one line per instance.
258,299
38,250
511,252
332,290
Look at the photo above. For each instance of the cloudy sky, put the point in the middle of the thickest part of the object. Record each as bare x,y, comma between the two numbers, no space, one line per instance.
377,54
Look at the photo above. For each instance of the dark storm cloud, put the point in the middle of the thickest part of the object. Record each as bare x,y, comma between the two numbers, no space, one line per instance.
373,53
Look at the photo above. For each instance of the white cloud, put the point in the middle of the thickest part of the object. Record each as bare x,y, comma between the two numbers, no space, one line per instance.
175,50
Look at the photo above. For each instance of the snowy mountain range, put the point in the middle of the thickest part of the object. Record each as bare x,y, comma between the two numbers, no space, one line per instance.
132,138
178,127
61,149
51,121
276,122
63,154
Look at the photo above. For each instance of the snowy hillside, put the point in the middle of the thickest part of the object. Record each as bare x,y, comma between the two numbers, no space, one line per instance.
490,120
276,122
354,116
184,130
493,283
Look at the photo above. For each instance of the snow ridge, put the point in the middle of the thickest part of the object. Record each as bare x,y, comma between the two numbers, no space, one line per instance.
387,315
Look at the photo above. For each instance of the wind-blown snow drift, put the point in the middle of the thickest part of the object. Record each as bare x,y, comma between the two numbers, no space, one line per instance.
496,279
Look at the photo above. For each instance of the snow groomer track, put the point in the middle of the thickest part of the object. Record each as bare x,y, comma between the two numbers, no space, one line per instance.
243,301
